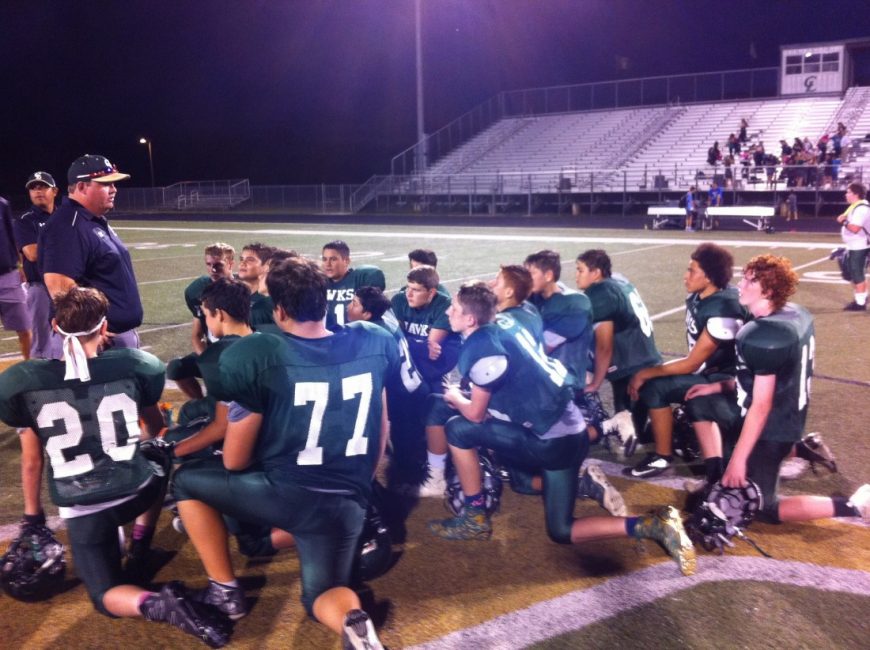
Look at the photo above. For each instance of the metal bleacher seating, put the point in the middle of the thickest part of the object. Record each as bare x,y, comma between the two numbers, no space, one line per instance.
642,143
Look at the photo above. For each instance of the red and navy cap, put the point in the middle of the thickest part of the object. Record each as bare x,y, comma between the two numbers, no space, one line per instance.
94,168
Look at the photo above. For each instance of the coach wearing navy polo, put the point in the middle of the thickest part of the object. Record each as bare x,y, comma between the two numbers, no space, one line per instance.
78,247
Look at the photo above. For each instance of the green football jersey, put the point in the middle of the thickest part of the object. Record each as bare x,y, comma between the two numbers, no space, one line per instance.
410,379
416,325
320,400
782,344
527,387
568,332
634,347
262,314
339,294
722,315
209,366
193,298
527,315
89,430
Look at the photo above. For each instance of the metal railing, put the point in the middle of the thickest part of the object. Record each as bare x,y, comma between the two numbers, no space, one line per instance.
605,190
230,195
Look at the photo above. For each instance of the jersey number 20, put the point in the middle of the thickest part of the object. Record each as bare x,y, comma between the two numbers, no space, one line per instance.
72,422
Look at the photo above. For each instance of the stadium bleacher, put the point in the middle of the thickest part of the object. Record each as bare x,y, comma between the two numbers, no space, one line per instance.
639,143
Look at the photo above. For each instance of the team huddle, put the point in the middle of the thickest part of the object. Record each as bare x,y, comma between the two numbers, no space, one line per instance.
307,386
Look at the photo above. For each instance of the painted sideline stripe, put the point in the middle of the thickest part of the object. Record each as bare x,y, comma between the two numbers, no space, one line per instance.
574,611
765,243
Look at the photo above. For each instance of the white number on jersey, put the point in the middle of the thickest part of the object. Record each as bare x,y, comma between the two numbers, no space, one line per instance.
808,352
318,393
72,423
641,312
553,367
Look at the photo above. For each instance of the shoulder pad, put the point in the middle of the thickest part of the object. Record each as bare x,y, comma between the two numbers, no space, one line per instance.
722,328
488,370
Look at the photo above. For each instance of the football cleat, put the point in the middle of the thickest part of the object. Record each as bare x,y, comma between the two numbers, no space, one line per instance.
593,484
229,601
435,484
621,428
34,565
814,449
359,633
666,527
174,606
854,306
472,525
861,502
653,464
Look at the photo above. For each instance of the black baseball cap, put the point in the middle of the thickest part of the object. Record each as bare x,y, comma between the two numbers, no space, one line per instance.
94,168
39,177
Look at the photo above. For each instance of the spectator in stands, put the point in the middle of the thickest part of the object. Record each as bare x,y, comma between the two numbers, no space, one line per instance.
713,154
743,126
770,163
745,161
822,146
855,222
729,174
758,154
808,146
785,149
845,144
837,144
733,145
797,145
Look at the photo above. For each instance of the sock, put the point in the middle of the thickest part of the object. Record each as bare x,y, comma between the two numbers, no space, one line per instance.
714,469
861,298
476,501
232,584
843,509
630,525
140,532
34,520
436,461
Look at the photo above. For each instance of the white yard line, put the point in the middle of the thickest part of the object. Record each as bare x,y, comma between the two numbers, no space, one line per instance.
578,609
478,236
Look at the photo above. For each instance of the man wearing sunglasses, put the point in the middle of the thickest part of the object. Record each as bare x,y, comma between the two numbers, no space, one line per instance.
77,246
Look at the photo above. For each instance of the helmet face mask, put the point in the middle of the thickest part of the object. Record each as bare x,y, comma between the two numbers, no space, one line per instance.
34,566
724,514
375,551
454,498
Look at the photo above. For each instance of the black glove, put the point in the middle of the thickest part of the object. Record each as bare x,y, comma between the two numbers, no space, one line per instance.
158,452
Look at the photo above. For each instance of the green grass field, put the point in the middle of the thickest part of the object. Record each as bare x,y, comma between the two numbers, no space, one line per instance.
521,589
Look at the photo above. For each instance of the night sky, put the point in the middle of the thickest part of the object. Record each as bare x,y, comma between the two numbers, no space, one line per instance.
292,92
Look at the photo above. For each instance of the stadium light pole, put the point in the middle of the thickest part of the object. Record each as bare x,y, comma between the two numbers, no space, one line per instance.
147,142
421,134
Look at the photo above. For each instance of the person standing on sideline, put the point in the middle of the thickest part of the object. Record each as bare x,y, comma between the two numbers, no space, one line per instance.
13,299
43,193
691,208
855,222
79,247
